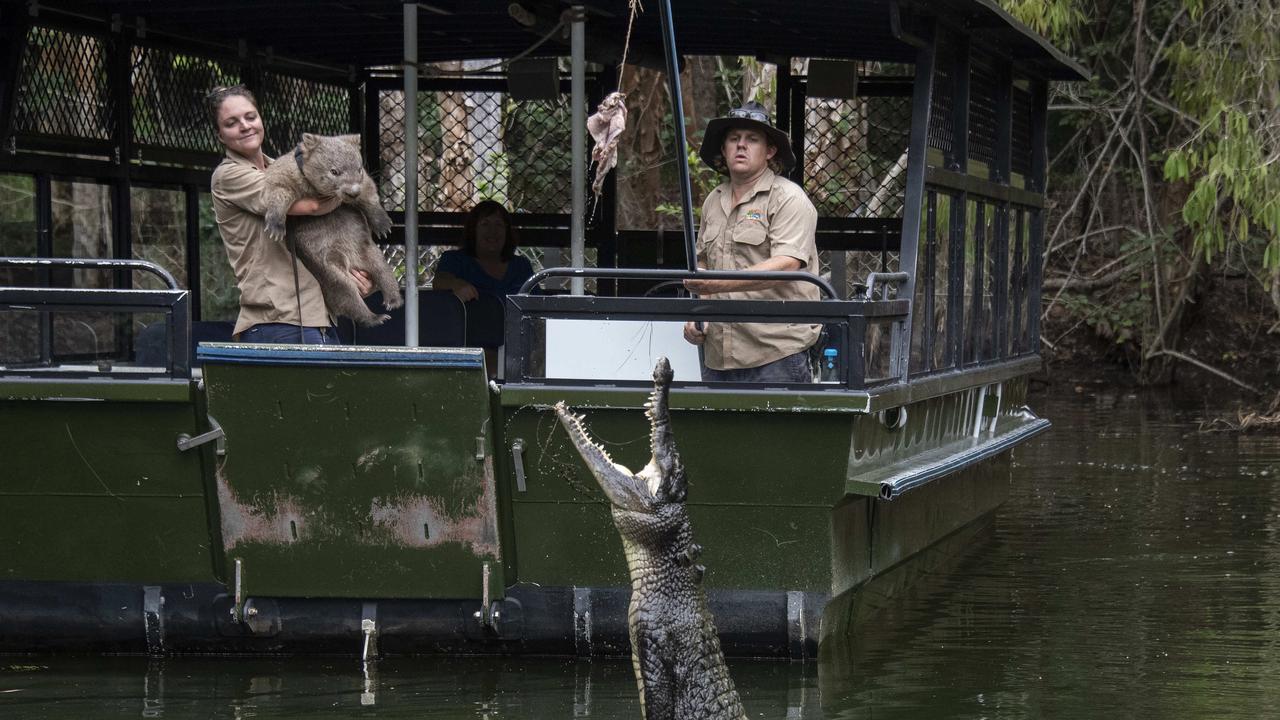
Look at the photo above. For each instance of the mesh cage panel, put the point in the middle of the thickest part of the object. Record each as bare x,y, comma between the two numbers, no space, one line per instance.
940,130
855,155
1021,160
982,110
63,88
293,105
477,145
168,98
858,264
428,255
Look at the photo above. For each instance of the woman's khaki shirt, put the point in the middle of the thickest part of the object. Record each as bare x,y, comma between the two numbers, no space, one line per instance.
263,267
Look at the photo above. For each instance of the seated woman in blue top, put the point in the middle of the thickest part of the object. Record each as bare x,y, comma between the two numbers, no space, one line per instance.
487,263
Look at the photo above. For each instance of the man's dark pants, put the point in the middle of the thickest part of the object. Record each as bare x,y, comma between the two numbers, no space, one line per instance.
790,369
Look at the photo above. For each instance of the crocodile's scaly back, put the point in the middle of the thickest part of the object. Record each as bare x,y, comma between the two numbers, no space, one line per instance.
674,647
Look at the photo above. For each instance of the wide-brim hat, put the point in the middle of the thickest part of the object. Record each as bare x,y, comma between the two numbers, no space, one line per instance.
752,115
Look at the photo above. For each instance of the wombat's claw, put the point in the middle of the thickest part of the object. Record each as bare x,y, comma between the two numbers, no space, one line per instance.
392,303
381,225
275,230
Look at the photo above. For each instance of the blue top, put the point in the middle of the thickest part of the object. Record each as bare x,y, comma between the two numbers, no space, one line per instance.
465,267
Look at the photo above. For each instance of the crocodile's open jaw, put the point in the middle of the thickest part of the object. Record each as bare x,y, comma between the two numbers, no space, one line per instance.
661,481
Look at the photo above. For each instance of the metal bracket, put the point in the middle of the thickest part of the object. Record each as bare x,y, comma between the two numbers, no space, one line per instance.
187,442
237,602
517,459
369,631
490,611
582,621
262,616
153,619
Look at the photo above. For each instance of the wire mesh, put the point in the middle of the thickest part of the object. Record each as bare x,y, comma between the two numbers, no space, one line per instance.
429,255
857,265
476,145
168,98
941,135
63,87
982,110
1021,140
293,105
856,155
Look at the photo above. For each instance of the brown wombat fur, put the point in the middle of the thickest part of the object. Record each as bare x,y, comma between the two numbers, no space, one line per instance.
332,245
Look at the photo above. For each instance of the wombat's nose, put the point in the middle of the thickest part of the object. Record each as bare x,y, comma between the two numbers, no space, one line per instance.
352,190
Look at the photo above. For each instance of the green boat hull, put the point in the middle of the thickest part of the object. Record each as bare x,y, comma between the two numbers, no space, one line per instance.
320,490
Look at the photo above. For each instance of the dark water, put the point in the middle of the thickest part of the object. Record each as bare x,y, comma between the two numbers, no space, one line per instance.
1135,572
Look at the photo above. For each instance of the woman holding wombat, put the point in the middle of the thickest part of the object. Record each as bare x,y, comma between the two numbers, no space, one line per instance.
276,305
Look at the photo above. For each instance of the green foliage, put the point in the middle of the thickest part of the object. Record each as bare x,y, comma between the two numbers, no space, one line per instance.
1224,76
702,179
1057,20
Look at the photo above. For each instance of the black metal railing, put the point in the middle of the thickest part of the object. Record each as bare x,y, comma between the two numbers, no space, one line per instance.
173,361
847,320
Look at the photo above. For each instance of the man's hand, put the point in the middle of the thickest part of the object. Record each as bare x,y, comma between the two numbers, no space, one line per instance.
363,282
705,287
692,334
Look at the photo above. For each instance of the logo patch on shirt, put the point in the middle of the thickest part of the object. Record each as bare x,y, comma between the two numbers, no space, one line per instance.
753,214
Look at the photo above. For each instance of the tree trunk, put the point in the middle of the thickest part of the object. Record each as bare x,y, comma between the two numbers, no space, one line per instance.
641,150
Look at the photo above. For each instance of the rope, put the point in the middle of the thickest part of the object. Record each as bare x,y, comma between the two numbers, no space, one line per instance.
635,7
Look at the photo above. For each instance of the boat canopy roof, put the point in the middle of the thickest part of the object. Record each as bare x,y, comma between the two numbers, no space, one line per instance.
361,34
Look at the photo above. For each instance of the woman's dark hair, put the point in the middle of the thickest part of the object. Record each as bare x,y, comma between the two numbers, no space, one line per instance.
482,210
215,97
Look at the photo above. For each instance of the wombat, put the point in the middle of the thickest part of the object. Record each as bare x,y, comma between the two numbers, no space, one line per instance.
332,245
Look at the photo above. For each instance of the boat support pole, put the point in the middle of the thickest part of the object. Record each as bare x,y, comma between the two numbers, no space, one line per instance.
578,98
411,174
682,150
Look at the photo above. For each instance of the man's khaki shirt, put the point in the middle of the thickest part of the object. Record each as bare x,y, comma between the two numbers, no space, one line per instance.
263,267
776,218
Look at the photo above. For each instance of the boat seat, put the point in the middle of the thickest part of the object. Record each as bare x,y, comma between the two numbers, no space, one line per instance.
443,321
150,348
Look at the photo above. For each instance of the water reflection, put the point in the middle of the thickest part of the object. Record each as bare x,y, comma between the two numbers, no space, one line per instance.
399,688
1131,574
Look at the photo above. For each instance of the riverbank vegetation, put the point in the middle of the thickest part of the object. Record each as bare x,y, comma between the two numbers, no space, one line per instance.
1164,236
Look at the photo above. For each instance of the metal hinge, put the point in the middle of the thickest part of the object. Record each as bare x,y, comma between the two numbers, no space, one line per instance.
187,442
517,460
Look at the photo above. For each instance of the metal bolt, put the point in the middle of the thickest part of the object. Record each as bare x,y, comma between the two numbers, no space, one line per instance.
251,612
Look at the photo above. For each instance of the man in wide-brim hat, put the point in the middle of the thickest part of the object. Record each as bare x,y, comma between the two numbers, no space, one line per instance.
756,220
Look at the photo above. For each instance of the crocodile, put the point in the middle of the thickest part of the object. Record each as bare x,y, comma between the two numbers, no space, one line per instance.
675,650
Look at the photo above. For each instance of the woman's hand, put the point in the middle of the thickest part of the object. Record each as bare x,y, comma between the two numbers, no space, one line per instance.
466,292
364,283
